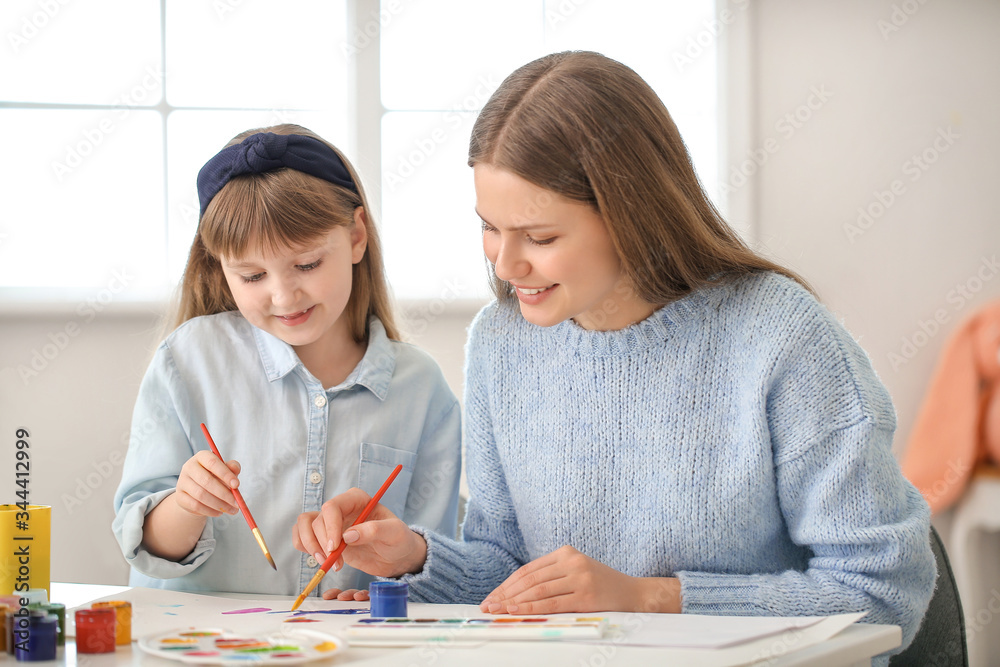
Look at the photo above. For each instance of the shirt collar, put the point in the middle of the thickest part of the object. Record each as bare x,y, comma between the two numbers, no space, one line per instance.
373,372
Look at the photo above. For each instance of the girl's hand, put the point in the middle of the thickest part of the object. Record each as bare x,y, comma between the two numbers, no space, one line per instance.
205,485
383,545
346,595
569,581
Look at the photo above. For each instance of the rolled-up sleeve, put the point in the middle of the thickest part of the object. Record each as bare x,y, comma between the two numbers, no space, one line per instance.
158,448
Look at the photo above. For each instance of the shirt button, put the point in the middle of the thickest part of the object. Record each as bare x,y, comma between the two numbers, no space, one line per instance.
319,401
315,478
312,562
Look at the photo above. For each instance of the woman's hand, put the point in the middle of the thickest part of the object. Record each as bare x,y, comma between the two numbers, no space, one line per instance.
351,594
205,485
569,581
383,545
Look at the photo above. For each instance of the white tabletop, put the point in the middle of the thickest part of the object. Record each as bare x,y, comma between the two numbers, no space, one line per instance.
853,646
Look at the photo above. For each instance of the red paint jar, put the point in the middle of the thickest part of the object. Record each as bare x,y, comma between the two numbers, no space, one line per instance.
95,630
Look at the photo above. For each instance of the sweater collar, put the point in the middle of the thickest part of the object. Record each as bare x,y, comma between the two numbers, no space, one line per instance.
653,330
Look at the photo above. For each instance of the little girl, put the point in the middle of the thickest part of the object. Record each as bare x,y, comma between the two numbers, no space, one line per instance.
286,348
657,419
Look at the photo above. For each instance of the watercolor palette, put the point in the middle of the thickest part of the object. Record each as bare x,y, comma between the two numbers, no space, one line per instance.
213,646
518,628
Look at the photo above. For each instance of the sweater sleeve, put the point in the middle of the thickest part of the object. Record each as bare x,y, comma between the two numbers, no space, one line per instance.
491,547
842,496
158,448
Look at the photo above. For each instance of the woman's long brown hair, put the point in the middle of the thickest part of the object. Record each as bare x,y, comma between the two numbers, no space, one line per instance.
590,129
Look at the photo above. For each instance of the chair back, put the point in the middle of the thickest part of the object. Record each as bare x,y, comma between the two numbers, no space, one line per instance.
940,641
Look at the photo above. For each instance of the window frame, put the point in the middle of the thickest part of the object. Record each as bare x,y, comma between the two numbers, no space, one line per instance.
365,111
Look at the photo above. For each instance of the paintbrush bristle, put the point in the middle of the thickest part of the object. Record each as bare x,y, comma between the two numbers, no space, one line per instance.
263,547
309,587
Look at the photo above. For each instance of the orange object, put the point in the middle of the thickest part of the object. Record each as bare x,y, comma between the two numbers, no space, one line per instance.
95,630
123,619
958,427
335,554
243,506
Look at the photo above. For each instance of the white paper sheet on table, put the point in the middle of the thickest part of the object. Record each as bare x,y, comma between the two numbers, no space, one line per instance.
694,631
156,611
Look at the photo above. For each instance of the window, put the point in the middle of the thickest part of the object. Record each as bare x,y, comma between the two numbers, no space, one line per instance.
441,60
111,109
102,148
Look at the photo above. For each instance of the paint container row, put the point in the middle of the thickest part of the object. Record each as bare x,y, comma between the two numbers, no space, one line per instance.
32,633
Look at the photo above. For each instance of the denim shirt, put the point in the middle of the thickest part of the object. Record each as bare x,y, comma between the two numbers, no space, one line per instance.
298,444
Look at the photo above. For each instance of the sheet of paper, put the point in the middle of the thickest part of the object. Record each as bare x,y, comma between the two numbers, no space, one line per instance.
753,651
693,631
710,641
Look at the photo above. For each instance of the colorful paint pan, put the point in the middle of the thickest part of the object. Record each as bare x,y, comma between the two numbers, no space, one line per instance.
211,646
401,631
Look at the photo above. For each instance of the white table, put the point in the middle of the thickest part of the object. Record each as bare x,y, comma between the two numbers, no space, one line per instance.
852,647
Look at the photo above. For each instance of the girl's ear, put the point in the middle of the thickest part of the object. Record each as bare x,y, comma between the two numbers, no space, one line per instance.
359,235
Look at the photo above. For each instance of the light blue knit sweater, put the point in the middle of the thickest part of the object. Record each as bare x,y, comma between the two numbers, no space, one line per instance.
737,439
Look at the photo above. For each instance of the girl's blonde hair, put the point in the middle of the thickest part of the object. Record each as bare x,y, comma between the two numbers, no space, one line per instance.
590,129
277,210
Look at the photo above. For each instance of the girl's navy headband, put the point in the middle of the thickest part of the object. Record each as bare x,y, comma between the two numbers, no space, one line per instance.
266,151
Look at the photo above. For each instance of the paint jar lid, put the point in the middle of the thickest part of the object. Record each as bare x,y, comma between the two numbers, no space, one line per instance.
36,596
41,618
12,601
388,589
111,604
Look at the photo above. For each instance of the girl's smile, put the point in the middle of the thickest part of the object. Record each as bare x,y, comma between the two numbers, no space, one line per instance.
299,295
296,318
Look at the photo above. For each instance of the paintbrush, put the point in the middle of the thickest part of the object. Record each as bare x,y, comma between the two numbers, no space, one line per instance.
243,506
335,554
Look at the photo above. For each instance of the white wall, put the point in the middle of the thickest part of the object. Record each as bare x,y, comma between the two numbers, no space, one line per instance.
903,81
890,99
881,93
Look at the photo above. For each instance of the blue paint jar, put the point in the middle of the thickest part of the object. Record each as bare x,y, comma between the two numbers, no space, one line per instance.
388,599
40,643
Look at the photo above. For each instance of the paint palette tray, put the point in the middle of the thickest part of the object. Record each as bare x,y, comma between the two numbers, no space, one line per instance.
214,646
517,628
